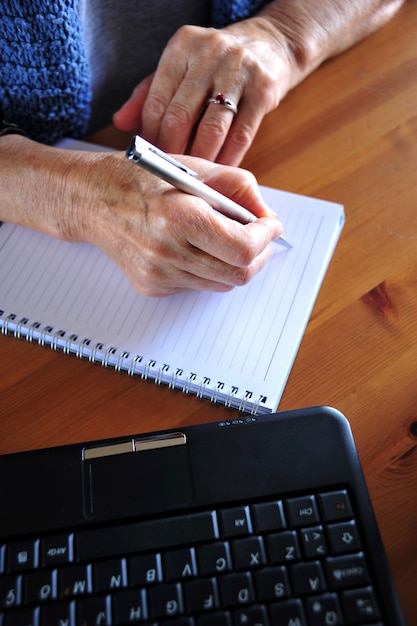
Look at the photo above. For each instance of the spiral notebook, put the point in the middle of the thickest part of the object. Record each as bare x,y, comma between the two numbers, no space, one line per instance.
234,348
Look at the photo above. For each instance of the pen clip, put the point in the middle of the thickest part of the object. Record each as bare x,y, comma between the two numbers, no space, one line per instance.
139,146
174,162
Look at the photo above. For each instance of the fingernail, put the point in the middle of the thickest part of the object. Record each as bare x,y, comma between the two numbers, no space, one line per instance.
271,213
279,228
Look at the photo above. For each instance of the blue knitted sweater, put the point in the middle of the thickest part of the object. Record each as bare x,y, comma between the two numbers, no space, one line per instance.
44,75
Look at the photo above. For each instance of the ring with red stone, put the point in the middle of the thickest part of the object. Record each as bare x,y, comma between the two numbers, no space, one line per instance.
219,98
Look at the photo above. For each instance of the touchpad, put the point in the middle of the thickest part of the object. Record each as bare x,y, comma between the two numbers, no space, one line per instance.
137,476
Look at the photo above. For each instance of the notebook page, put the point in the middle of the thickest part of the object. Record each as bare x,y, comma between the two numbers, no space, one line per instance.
239,344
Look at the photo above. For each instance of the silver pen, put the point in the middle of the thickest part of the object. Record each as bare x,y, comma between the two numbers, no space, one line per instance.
182,177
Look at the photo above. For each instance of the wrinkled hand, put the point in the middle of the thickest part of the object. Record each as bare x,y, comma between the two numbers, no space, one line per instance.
164,240
247,62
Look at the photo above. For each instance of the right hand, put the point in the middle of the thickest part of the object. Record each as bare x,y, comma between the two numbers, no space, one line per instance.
165,241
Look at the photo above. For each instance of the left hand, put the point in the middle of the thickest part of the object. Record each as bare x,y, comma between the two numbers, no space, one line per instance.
247,62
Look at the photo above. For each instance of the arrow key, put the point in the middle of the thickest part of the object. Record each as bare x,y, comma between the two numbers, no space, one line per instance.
343,537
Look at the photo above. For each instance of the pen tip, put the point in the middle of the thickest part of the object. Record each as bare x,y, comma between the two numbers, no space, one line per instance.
284,241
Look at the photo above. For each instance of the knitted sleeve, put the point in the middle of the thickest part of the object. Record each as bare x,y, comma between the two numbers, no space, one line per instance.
44,76
227,11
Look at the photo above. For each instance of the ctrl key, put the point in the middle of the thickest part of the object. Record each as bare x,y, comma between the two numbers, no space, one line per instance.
360,605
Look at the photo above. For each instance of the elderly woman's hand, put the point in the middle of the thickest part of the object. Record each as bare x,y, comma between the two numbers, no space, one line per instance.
252,64
164,240
248,63
167,241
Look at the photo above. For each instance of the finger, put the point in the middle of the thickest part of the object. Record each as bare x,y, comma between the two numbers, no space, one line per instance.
225,138
183,111
242,133
232,244
236,273
215,248
214,126
129,116
173,104
241,186
180,118
193,269
176,282
206,272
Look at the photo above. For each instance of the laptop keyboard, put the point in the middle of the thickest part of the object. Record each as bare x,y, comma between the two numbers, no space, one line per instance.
299,561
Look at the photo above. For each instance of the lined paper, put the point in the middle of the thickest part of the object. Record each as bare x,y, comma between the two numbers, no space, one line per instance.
233,347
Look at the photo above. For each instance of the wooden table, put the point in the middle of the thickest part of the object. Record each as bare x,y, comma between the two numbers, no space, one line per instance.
348,134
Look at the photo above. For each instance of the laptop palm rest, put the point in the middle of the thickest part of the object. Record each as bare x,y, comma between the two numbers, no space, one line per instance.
139,475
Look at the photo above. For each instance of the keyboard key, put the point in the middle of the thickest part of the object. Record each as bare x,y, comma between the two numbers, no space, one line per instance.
22,556
165,601
283,547
236,589
313,542
221,618
56,550
324,610
335,505
75,581
146,536
302,511
92,611
129,606
268,516
272,583
40,586
235,522
248,553
343,537
201,595
58,614
307,578
214,558
24,617
179,564
347,571
145,569
252,616
360,605
109,575
176,621
10,592
288,612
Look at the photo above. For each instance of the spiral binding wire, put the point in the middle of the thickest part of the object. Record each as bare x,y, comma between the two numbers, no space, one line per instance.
134,366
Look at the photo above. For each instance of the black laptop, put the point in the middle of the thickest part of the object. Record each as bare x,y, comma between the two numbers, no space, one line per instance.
253,521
